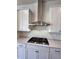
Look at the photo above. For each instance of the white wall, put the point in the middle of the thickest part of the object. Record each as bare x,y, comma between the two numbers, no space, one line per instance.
44,34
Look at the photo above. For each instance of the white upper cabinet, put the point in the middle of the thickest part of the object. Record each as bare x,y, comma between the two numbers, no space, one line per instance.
55,19
23,17
52,15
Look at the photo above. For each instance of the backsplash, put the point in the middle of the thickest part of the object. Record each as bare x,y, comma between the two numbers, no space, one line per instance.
35,33
21,34
44,34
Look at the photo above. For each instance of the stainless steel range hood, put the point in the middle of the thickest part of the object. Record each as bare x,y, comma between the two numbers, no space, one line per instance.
40,21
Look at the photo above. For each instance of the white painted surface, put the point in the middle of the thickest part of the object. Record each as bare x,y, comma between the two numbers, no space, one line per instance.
52,15
31,54
37,52
23,20
55,53
43,53
21,51
55,19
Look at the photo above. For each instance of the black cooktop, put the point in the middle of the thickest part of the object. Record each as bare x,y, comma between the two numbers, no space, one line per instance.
38,40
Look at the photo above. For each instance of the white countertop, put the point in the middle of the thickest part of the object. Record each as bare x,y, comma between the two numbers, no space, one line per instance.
52,43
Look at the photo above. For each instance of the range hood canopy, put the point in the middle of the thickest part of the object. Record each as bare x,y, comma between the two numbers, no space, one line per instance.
40,21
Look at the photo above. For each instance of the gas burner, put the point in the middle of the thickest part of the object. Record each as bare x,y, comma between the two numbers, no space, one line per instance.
38,40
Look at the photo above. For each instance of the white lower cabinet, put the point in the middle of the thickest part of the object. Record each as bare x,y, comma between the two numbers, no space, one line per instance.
44,52
21,51
37,52
31,54
41,52
55,53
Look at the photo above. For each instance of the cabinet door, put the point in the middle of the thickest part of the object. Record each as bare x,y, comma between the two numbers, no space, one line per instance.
55,19
19,21
20,52
37,52
55,53
43,53
23,20
33,52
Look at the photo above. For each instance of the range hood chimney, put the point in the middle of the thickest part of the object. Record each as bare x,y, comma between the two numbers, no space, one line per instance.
40,21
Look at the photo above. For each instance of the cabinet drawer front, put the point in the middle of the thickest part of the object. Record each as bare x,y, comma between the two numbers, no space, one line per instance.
46,49
38,47
32,46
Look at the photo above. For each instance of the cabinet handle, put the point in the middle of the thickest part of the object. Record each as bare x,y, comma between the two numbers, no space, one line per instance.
20,45
37,51
57,51
37,54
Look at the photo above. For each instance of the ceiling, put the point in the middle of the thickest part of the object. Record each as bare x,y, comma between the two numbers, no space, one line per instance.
23,2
